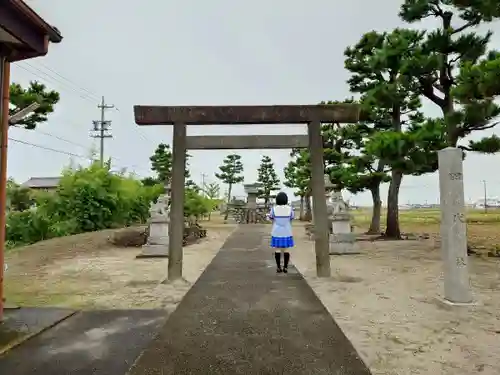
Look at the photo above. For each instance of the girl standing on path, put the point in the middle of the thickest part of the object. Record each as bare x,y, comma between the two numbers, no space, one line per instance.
281,235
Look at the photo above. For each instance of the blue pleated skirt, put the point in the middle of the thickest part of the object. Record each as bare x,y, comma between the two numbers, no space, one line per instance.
282,242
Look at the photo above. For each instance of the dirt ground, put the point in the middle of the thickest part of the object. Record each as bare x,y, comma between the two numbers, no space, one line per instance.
385,300
86,271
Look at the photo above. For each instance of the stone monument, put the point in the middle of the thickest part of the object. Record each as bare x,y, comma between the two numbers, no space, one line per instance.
252,191
457,289
158,238
342,240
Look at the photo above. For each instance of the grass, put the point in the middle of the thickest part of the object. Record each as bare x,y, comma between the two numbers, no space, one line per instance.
483,229
429,217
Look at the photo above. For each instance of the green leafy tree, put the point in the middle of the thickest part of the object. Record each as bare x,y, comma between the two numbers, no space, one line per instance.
150,181
453,69
212,194
348,164
195,204
231,172
161,163
212,190
87,199
36,92
19,198
268,178
351,167
345,163
402,139
298,177
191,185
338,144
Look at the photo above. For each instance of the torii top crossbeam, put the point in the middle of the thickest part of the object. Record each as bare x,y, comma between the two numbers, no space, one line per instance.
247,114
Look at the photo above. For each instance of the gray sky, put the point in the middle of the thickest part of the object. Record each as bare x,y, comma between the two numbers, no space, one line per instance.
173,52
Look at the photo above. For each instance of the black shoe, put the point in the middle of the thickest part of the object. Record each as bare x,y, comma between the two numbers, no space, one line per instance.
285,270
279,270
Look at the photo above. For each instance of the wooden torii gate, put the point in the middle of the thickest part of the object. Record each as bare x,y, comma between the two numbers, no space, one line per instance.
181,116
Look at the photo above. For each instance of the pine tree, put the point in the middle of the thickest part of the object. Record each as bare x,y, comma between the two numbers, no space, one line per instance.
36,92
230,173
268,178
453,69
298,177
401,138
161,163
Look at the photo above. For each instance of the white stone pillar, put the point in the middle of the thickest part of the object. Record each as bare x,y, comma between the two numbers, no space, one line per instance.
457,287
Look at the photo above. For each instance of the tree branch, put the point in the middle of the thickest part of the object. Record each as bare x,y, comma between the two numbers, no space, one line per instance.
463,27
428,92
465,148
436,9
484,127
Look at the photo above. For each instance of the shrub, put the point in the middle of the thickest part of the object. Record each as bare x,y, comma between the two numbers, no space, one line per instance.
87,199
90,199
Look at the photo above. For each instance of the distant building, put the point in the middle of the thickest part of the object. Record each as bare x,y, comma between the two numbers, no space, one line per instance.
42,183
490,202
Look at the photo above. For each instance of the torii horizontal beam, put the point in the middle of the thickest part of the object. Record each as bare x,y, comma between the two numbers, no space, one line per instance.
248,142
248,114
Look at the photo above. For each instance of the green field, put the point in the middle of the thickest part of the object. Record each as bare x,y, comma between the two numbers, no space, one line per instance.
483,229
429,216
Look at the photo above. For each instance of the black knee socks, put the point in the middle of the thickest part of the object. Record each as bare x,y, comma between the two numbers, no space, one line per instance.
287,259
277,256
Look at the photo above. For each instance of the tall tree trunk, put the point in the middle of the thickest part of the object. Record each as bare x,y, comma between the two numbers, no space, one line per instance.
392,225
392,229
301,210
376,211
308,215
229,189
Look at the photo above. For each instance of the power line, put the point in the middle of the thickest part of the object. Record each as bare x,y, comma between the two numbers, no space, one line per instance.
58,151
89,92
64,85
74,144
137,129
102,128
59,138
47,148
82,92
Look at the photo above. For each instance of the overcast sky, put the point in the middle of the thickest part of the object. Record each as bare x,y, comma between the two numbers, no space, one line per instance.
173,52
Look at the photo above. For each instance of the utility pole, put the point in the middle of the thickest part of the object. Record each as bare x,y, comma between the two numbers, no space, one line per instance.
102,128
485,197
203,175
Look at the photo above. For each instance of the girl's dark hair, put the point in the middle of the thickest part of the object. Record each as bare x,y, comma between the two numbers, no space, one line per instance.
281,199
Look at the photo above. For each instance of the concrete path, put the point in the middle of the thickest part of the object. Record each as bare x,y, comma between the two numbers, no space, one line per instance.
88,343
21,324
242,318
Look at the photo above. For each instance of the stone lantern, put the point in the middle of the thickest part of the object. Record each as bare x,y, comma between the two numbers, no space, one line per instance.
252,191
342,240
